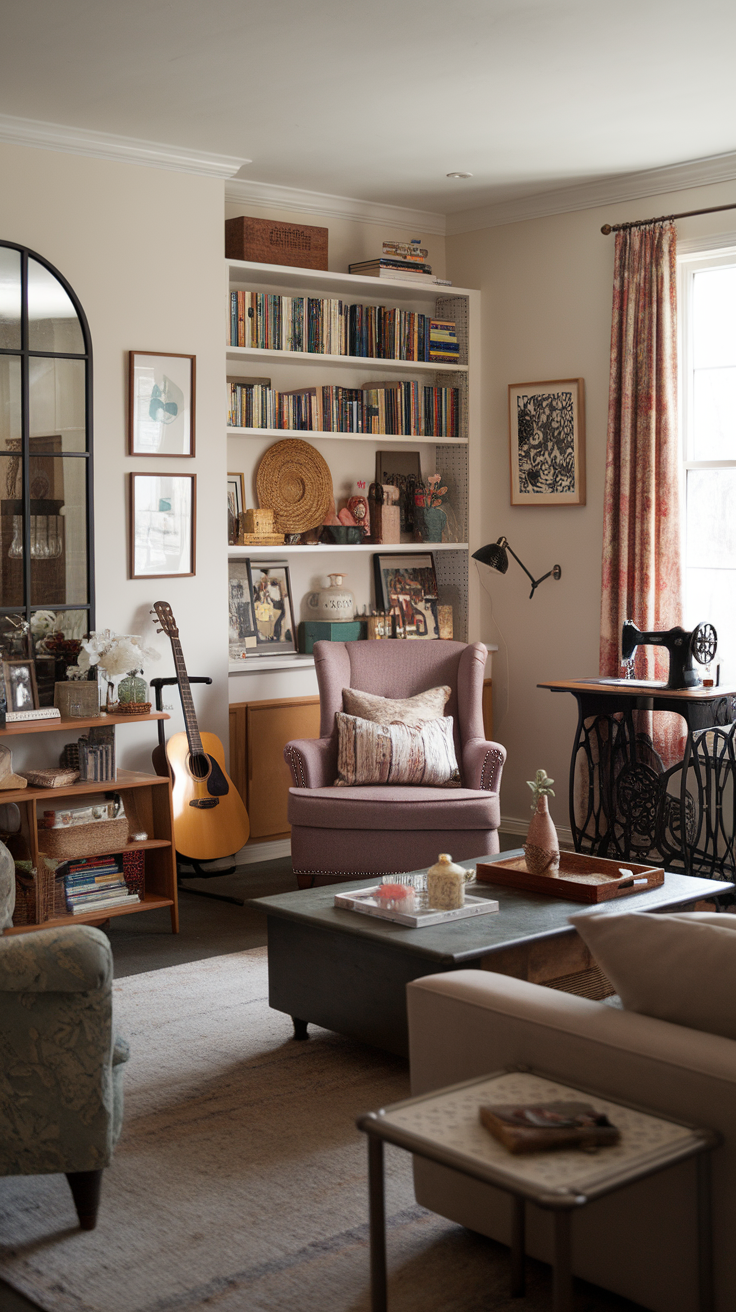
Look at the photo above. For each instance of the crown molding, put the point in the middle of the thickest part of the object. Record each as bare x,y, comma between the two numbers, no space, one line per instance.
589,195
107,145
266,195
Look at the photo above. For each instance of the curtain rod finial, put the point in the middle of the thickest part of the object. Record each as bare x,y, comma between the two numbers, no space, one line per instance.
606,229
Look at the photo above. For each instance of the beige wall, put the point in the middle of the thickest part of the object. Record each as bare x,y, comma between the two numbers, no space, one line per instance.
546,309
142,248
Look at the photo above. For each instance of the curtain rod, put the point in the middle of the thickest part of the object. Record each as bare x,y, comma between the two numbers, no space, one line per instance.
664,218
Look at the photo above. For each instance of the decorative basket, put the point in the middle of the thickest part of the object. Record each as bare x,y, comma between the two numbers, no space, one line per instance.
96,839
132,708
294,480
36,895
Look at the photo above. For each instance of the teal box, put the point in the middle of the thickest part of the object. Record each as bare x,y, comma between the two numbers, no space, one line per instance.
311,631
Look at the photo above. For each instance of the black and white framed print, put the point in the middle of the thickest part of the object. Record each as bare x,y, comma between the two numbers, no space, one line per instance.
547,443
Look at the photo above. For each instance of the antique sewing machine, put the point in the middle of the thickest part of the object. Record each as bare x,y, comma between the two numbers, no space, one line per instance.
684,648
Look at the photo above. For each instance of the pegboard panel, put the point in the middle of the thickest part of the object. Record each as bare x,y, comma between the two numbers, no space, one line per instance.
452,464
456,307
451,568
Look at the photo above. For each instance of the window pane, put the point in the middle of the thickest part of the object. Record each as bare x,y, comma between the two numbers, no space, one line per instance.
714,318
9,299
58,531
11,532
53,323
709,593
711,518
57,404
10,402
714,414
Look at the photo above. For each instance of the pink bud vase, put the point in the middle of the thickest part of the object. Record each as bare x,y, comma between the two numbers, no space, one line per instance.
542,847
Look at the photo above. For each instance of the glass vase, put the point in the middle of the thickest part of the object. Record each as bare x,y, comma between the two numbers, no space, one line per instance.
133,688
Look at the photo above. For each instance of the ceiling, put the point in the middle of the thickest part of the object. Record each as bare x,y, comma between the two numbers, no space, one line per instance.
380,100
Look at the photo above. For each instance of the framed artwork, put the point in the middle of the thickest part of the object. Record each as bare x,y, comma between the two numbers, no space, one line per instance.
235,505
547,443
273,611
401,469
20,685
161,405
162,528
242,636
406,587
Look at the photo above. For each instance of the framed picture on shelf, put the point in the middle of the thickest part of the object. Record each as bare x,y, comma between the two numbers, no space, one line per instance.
161,405
162,529
242,636
401,469
235,505
547,443
273,611
406,588
20,685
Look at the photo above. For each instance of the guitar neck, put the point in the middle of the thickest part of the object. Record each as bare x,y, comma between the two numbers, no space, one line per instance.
187,705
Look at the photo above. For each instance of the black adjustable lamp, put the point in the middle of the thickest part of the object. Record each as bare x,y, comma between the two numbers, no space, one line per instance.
495,556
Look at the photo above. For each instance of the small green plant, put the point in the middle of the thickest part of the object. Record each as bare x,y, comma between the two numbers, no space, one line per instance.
541,786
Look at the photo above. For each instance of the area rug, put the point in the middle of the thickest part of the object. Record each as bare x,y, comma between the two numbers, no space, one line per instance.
239,1183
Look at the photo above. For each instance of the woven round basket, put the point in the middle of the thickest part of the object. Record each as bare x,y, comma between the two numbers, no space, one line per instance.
132,708
295,482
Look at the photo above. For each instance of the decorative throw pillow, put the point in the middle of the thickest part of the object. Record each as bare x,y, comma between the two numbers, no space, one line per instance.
429,705
369,753
680,968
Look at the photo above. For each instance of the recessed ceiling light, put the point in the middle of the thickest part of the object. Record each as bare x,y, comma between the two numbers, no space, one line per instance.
459,175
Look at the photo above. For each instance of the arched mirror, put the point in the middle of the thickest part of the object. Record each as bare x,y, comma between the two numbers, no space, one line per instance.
46,564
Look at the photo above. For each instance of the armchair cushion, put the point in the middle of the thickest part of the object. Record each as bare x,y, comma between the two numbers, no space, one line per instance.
429,705
421,754
411,808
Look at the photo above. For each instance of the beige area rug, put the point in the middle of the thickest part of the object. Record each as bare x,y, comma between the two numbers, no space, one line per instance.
239,1183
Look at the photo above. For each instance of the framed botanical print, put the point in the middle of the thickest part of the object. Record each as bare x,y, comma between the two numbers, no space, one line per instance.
161,404
162,530
406,589
20,685
547,443
273,611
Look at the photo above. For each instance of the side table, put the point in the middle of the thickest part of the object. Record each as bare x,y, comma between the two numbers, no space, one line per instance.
445,1127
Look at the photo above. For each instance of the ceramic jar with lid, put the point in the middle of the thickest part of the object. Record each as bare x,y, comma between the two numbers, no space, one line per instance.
446,884
333,603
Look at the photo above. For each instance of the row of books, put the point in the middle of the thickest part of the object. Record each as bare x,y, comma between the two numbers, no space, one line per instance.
406,409
325,326
96,883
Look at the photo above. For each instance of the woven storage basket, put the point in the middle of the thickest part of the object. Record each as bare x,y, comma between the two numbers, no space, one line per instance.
36,896
96,839
132,708
295,482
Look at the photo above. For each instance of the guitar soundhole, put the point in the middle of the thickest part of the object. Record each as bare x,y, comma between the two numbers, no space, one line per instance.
199,766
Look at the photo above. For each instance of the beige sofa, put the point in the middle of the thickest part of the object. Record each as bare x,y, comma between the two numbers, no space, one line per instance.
640,1242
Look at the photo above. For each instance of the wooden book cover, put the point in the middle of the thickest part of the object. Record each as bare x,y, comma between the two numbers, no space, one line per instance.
548,1126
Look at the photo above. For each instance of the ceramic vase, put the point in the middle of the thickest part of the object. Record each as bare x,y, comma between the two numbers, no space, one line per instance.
429,523
542,848
335,602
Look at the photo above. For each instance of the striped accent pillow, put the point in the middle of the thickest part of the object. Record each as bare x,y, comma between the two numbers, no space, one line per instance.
369,753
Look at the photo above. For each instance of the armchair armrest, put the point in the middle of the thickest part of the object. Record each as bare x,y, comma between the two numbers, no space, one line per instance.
312,761
482,765
73,959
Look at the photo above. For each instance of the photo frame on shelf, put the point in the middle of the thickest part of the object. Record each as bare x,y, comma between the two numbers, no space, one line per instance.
406,588
273,610
21,691
235,505
242,634
547,443
162,525
161,403
401,469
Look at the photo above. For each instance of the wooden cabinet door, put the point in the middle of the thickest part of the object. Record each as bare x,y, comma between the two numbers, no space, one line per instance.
269,726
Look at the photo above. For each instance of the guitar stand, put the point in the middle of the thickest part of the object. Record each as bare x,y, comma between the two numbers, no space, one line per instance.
197,872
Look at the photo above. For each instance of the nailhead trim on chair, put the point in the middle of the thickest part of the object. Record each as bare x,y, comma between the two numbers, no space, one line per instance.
497,759
296,763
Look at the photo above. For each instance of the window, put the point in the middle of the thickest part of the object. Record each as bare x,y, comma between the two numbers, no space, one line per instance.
46,565
708,416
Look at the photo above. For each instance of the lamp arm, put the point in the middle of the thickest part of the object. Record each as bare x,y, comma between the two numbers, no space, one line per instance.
554,572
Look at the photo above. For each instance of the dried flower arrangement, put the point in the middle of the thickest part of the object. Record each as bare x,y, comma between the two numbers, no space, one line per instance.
430,494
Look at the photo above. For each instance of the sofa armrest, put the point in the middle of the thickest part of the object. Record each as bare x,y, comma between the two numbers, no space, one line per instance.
72,959
482,765
312,762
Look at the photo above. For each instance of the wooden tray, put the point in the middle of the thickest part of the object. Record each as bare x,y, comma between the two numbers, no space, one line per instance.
582,878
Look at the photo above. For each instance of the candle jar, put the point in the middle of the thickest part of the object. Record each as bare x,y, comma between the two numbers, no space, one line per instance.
446,884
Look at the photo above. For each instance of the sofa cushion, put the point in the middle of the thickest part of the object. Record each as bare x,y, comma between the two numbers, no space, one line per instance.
369,753
391,807
680,968
429,705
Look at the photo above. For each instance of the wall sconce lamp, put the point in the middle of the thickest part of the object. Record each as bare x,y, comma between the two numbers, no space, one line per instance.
495,556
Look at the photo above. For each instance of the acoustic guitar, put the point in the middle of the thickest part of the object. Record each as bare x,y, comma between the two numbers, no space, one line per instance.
210,819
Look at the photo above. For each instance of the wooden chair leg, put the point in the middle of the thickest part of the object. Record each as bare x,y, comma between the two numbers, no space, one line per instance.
85,1187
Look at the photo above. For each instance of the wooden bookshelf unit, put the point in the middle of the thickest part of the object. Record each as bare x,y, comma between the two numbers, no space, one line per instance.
150,801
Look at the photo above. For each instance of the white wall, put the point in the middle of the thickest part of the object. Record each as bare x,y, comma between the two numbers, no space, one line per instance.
142,248
546,309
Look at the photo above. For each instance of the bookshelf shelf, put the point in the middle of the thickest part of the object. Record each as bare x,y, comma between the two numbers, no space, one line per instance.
378,439
357,549
247,273
266,356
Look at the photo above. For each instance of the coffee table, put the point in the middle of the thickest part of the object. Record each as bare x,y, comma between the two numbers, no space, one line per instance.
348,972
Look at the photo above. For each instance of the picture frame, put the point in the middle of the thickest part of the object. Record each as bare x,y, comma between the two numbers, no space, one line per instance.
21,691
161,404
162,526
401,469
242,633
269,585
406,589
235,505
547,442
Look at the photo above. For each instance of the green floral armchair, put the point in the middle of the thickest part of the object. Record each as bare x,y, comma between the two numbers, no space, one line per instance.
61,1094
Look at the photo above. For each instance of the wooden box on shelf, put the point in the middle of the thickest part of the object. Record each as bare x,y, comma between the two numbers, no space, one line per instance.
301,245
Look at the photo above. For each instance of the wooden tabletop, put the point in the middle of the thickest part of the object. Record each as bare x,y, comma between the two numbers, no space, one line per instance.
637,688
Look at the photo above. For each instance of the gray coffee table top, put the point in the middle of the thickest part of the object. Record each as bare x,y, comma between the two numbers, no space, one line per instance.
522,916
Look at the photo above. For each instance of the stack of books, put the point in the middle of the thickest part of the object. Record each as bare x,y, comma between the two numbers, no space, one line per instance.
401,408
96,883
400,262
443,343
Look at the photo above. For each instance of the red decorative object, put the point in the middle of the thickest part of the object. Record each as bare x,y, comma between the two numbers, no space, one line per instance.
134,872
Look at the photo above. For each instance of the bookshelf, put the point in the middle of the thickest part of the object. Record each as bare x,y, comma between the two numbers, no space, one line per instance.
351,456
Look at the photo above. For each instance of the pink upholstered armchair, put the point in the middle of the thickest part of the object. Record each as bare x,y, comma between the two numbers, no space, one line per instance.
344,833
